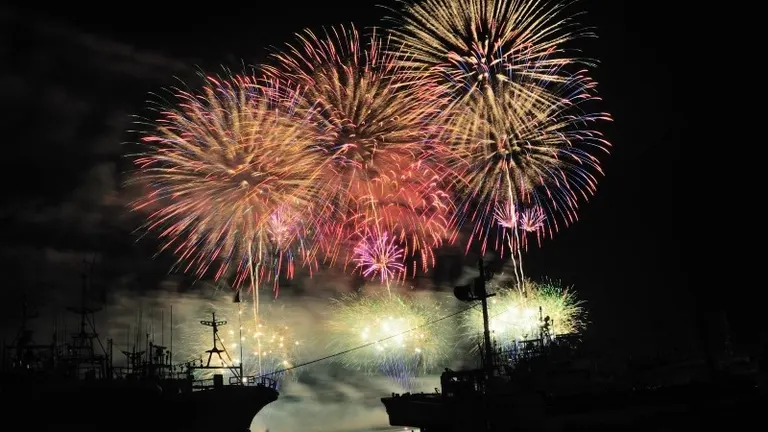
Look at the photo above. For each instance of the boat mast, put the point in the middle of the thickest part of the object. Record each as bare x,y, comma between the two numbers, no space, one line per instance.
473,292
481,292
240,343
215,324
240,324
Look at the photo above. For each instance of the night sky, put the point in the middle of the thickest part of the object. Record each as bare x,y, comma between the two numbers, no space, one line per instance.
72,79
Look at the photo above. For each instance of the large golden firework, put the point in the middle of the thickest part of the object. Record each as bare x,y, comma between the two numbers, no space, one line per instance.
467,46
226,168
513,153
517,107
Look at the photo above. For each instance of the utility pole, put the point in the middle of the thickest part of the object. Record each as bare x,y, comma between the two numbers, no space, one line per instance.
482,293
240,324
477,291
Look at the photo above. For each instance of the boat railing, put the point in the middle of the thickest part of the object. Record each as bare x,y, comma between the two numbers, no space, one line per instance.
203,384
218,381
557,346
253,381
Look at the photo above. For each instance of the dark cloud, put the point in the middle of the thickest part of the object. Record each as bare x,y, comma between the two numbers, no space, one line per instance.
70,99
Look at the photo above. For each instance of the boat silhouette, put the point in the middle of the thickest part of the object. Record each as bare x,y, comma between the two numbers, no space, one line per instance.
75,385
552,383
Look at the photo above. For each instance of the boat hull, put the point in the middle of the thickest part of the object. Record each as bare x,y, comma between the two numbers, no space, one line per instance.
114,406
646,410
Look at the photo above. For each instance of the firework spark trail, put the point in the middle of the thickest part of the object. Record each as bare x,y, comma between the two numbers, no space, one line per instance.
516,103
220,165
289,233
272,345
514,226
357,319
515,315
375,130
401,371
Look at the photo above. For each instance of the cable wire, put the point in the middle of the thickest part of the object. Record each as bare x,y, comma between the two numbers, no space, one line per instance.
340,353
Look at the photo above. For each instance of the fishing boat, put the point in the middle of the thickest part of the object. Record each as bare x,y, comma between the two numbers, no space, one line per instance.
75,385
550,383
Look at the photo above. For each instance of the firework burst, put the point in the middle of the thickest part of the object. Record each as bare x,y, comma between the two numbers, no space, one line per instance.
532,220
463,47
374,129
510,151
516,103
398,329
226,167
377,255
519,315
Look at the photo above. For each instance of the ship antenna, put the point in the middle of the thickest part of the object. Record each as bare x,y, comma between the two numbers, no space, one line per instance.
138,327
240,324
214,324
171,318
162,327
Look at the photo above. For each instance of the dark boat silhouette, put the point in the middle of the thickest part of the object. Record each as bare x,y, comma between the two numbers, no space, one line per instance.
549,383
71,386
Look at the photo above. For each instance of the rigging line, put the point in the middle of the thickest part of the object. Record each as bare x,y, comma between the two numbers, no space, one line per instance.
340,353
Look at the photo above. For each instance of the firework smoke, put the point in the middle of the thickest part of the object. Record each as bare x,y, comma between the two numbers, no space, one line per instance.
330,396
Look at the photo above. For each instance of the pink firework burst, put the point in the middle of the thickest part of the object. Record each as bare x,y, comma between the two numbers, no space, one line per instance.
532,221
506,217
379,255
